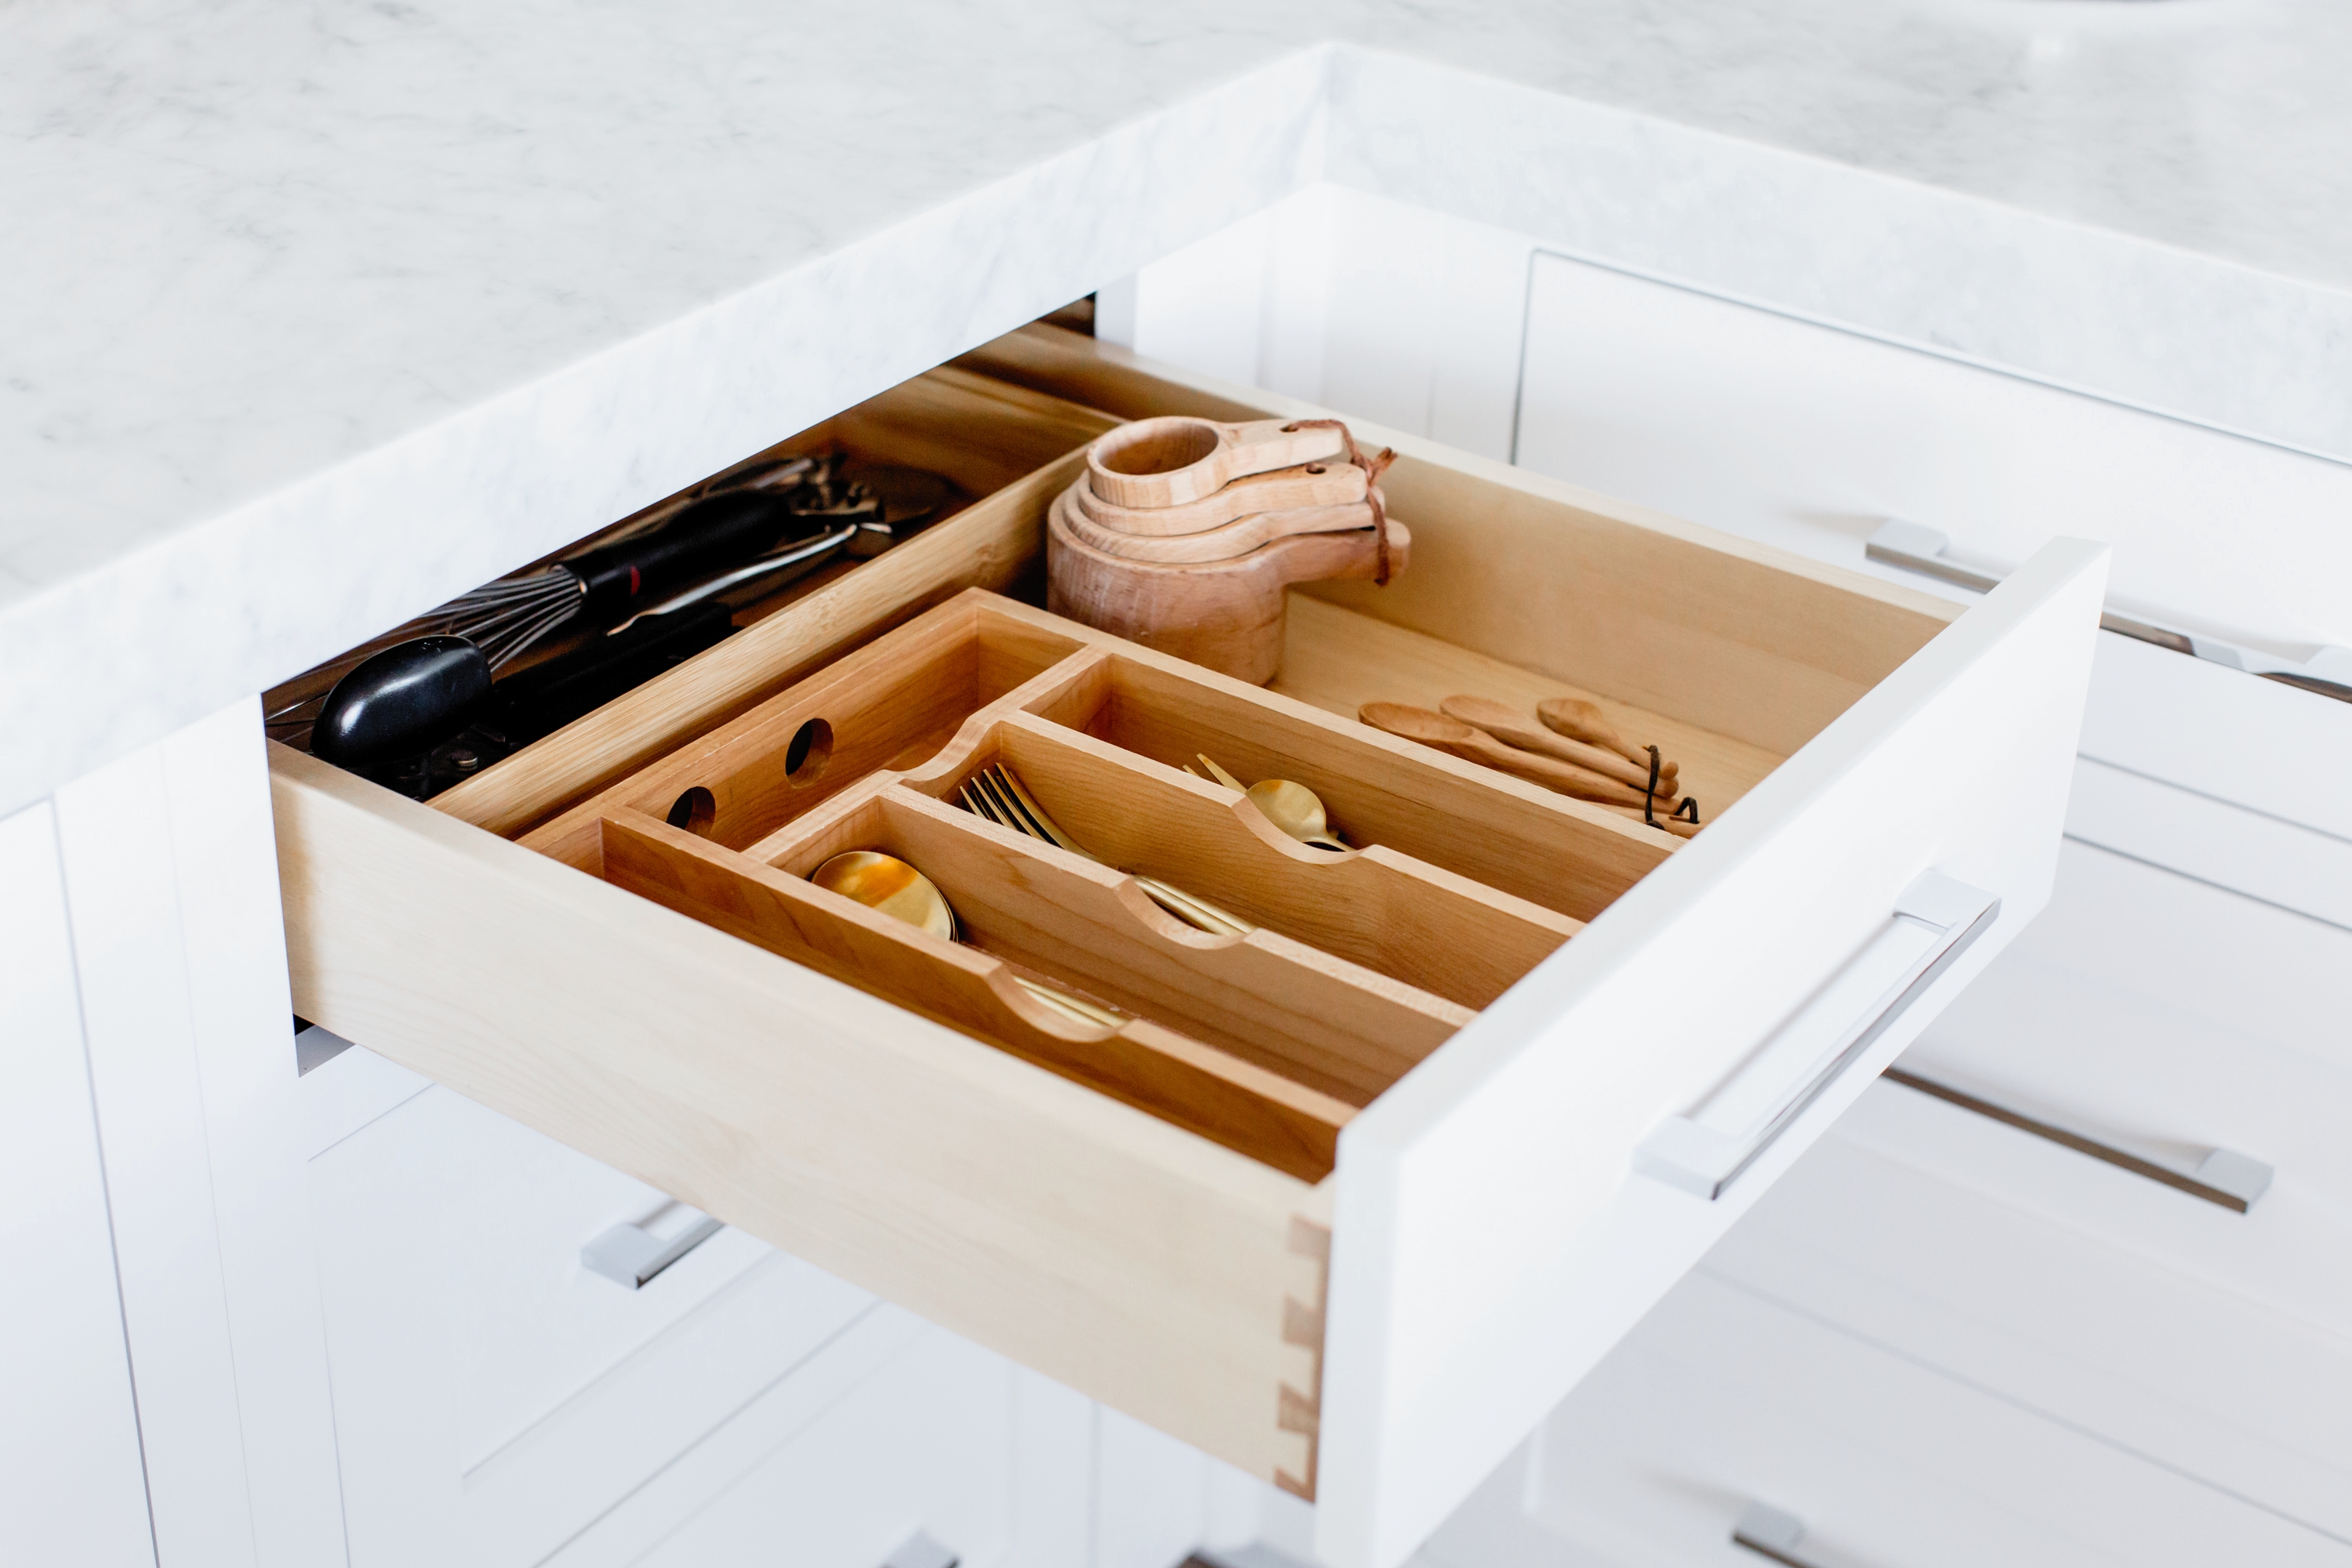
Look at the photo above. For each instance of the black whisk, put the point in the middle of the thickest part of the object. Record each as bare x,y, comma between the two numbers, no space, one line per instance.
797,500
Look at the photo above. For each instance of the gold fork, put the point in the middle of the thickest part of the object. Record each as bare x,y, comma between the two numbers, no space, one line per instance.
996,796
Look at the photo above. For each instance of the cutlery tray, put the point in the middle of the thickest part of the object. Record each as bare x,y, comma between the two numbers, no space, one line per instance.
1362,963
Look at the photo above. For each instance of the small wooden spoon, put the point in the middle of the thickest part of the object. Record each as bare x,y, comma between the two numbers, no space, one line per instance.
1507,724
1582,720
1177,459
1433,729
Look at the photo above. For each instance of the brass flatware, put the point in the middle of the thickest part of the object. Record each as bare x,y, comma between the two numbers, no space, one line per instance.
995,796
1292,807
887,885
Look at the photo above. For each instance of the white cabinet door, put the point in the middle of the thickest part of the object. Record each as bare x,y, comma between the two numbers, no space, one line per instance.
1808,438
71,1485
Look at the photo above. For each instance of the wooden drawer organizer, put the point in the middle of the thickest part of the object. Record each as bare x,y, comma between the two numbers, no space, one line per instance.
1362,963
1157,1215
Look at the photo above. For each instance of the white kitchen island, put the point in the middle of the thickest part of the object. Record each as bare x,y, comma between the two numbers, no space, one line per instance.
319,317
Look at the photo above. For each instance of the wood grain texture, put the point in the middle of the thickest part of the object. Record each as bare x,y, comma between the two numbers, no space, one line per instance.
1379,907
1226,615
887,705
1177,460
1136,1262
975,430
1196,1086
1755,643
1572,857
1338,660
1240,537
1309,486
1514,726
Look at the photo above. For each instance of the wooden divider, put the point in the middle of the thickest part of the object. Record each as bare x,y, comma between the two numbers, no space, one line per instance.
1265,1114
1363,963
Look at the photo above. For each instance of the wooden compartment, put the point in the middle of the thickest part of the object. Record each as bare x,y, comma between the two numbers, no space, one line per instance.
1377,1337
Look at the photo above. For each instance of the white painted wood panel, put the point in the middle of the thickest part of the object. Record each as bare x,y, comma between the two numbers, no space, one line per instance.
224,870
1723,1397
2203,1380
116,832
71,1485
492,1397
1783,430
2262,856
1491,1244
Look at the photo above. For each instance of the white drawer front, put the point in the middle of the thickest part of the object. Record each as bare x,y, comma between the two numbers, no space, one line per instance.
2204,1381
1722,1399
492,1396
2165,1018
1491,1241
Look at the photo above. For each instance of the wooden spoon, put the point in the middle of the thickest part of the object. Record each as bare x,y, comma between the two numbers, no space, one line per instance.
1582,720
1334,483
1507,724
1178,458
1222,544
1433,729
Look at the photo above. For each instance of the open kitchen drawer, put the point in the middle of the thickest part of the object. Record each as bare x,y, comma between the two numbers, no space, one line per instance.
1884,776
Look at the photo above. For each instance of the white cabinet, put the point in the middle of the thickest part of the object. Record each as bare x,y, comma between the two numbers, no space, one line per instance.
71,1485
1724,1399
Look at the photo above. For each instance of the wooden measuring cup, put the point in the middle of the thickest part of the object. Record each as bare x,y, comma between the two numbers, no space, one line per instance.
1226,614
1177,459
1307,485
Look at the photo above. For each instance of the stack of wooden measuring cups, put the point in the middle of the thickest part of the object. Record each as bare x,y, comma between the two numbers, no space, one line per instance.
1183,534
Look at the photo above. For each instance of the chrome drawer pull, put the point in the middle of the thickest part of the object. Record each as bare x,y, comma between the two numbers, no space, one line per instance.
2224,1177
1768,1532
631,1255
919,1551
1915,547
1704,1152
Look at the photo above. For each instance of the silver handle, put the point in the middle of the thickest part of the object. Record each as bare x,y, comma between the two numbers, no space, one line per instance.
799,553
919,1551
631,1255
1914,547
1768,1532
1703,1152
2224,1177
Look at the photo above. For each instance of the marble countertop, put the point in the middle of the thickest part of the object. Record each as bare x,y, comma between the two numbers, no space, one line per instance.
312,315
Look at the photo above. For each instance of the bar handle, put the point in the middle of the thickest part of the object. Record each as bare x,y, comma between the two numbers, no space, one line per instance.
1703,1152
2224,1177
919,1551
632,1256
1915,547
1769,1533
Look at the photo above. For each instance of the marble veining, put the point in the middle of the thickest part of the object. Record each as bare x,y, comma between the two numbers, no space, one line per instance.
315,314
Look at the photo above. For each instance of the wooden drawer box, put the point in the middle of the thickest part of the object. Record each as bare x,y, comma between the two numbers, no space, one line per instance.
1379,1336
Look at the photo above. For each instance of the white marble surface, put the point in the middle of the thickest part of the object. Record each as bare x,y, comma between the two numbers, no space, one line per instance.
312,315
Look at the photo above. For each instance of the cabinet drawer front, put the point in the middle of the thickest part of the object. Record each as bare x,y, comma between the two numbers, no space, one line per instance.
2165,1018
1871,1234
1492,1238
1723,1399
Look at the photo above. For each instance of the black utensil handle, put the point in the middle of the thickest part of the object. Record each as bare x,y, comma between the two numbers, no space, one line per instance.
715,531
401,701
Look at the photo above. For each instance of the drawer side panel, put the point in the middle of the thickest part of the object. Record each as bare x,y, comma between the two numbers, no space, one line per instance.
1135,1262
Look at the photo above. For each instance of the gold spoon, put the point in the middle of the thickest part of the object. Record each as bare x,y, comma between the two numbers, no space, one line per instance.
1292,807
887,885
